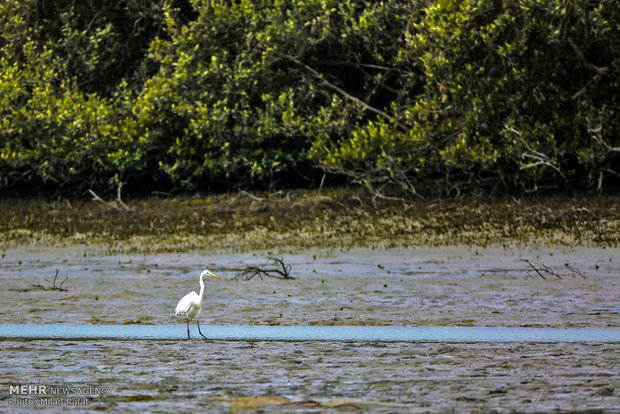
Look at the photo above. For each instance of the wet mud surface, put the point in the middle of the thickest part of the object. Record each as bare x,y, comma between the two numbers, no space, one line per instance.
408,287
449,286
163,376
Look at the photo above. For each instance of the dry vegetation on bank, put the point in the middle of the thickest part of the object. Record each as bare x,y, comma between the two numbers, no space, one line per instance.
294,220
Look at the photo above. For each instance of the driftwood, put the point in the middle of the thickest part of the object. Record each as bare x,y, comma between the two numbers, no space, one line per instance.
538,268
281,271
52,284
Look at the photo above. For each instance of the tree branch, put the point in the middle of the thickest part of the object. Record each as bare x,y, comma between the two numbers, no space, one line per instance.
540,269
250,272
539,158
598,69
52,283
596,135
117,205
342,92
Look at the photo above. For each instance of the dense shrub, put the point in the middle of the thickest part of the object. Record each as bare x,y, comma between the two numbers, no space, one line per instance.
64,99
465,95
507,85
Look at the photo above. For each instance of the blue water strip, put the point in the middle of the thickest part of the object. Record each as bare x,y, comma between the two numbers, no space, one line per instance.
310,333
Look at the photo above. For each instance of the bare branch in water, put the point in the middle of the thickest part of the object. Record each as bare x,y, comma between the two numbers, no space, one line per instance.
537,268
52,283
574,270
283,271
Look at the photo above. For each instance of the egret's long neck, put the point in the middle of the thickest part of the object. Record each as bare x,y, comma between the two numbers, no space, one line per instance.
202,289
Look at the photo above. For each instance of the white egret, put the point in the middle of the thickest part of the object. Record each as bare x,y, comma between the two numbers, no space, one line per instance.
191,304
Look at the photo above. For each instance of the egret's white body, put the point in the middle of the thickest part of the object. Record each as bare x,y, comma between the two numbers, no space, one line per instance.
191,304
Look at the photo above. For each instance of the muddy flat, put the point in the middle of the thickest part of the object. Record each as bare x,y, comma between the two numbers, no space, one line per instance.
301,377
432,286
449,286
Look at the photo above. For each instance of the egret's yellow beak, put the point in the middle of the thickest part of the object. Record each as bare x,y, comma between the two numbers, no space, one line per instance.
211,274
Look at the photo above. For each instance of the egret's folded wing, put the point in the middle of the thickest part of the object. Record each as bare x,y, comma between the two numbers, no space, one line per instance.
185,304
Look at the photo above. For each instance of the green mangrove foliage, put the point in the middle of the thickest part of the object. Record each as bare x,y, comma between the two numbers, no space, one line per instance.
510,94
405,97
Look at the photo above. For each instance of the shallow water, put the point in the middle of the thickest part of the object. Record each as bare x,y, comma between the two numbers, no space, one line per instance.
451,334
418,288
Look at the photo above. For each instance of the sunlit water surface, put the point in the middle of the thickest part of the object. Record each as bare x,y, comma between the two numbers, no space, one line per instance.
311,333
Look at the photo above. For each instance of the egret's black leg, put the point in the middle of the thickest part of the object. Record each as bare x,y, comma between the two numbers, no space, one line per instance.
188,328
197,323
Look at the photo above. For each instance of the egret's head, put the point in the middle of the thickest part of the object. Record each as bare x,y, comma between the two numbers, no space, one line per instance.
207,272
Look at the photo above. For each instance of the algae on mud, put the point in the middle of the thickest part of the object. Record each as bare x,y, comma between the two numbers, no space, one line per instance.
294,220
